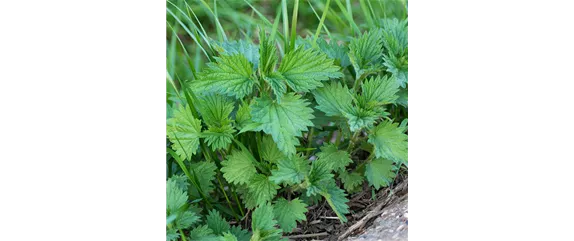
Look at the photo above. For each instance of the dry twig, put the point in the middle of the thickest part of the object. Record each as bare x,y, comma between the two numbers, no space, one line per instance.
307,235
376,211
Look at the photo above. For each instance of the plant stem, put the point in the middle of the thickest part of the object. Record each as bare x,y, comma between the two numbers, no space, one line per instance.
310,140
237,201
224,156
182,235
227,198
352,141
331,134
191,178
360,79
169,164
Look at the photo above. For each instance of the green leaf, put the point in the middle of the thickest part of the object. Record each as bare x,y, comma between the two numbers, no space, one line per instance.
205,174
249,50
238,168
394,34
290,170
390,142
262,189
231,75
228,237
303,42
337,200
303,70
181,180
240,234
243,116
248,198
175,197
268,54
252,126
334,158
365,52
321,119
335,51
172,235
269,150
267,235
202,233
313,199
176,200
380,172
275,80
185,219
183,130
263,223
217,223
395,41
318,178
262,218
288,213
403,97
334,99
285,121
215,109
359,118
219,137
380,90
351,180
398,67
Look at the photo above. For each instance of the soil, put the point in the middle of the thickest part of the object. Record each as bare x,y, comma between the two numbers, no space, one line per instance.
381,217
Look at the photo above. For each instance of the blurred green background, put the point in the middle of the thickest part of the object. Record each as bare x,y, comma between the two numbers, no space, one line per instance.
193,27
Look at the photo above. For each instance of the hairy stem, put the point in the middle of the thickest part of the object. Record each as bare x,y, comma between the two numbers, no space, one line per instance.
182,235
309,140
217,175
234,193
227,198
353,140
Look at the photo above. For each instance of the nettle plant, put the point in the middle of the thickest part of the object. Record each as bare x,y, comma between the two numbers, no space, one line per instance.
258,138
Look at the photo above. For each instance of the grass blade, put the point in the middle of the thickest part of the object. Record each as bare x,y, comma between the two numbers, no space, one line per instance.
373,14
198,43
324,26
367,14
204,34
221,33
321,21
191,178
275,25
188,58
285,23
215,19
349,17
294,25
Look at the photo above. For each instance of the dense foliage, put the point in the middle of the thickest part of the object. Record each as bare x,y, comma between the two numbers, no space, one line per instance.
274,124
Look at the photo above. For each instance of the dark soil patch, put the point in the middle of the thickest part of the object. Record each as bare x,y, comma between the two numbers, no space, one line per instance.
323,224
